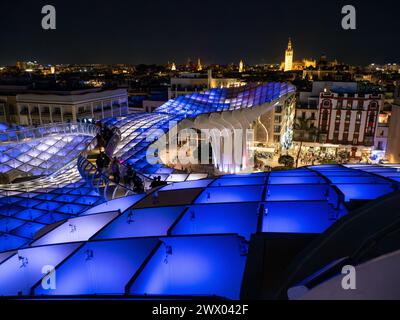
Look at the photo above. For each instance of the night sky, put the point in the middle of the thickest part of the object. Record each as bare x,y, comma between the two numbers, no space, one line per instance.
157,31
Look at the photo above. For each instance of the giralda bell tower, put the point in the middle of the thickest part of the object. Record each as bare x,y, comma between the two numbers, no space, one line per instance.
289,57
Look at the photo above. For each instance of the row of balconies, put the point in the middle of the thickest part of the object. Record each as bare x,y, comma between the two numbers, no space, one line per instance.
58,112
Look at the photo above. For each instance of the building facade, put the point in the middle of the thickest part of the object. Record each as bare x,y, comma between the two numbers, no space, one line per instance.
393,144
189,82
343,121
274,129
37,108
349,119
382,136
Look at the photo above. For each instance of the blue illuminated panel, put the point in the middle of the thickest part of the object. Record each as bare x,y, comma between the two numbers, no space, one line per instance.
117,204
344,173
296,180
230,194
299,217
78,229
8,224
240,218
356,180
142,223
293,173
245,175
364,191
203,265
238,181
28,230
10,242
101,267
297,192
30,214
188,185
23,270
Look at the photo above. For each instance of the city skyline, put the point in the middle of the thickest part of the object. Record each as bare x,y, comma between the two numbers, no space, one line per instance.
157,32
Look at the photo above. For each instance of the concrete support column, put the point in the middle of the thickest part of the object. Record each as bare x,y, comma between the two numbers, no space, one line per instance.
30,115
238,121
223,160
74,115
246,157
40,115
62,113
92,109
51,113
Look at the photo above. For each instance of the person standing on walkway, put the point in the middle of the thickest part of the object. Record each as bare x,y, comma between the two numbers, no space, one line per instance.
115,168
129,175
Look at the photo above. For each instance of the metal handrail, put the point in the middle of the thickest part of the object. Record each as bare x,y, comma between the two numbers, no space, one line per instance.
90,172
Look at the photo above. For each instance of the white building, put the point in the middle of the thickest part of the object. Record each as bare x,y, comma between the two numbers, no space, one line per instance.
37,108
188,82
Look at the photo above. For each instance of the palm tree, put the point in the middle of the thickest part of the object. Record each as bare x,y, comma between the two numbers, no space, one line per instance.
303,127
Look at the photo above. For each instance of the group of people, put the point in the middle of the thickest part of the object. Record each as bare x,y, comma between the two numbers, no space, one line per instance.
105,164
102,162
104,136
131,178
157,182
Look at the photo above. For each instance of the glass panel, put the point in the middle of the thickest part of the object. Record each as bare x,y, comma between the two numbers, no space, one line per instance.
142,223
240,218
203,265
78,229
230,194
19,273
101,267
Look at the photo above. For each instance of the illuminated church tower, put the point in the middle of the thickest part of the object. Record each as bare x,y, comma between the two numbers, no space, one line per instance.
289,57
241,66
199,65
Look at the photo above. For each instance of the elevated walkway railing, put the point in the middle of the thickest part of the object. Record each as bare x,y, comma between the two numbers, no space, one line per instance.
103,184
113,143
101,181
17,136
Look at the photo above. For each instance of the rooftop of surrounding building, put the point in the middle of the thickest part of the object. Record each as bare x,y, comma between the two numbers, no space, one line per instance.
13,90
